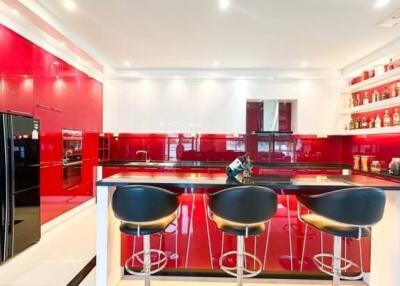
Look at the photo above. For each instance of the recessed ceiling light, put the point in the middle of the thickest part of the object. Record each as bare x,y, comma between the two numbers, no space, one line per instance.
381,3
215,63
224,4
69,4
15,12
62,44
127,64
305,64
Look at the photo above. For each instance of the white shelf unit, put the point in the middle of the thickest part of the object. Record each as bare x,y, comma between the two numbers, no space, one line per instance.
371,131
345,113
386,103
387,77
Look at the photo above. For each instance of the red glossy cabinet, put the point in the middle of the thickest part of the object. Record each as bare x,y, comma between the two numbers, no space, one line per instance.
35,82
17,94
48,90
16,70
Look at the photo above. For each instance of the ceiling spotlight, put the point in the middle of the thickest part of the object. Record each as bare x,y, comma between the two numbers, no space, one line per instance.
305,64
15,12
381,3
215,64
69,5
127,64
62,44
224,4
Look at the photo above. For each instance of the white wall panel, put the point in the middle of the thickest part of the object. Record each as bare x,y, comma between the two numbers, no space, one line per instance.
214,105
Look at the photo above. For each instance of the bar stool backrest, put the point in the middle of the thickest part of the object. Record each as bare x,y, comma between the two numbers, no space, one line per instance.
143,203
354,206
244,204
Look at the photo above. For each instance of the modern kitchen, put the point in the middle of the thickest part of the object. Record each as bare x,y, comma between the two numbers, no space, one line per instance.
212,142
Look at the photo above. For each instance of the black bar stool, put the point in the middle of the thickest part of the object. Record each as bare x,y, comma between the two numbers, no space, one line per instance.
242,211
344,213
145,210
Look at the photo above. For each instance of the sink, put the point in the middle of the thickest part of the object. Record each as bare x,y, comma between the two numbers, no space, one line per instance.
166,164
317,182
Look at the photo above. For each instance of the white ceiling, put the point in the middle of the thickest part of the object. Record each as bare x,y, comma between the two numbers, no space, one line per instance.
264,34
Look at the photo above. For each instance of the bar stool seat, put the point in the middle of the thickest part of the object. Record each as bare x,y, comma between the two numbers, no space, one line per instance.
156,226
145,210
335,228
345,213
236,228
242,211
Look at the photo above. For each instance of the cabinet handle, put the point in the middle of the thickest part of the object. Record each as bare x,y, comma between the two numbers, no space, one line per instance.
59,110
43,106
19,112
71,188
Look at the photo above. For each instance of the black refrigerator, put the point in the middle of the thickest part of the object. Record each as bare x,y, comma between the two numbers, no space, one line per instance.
19,184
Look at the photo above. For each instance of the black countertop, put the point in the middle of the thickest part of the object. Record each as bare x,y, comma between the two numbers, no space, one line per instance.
211,164
283,184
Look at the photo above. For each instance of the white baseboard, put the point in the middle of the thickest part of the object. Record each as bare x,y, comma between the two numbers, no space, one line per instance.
67,215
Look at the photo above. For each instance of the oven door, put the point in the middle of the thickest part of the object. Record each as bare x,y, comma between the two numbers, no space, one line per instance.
72,175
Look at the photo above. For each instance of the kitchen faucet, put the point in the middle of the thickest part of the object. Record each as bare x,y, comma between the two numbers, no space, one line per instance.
144,152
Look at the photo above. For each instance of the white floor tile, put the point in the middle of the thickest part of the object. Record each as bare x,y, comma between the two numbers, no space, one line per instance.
160,281
89,280
61,253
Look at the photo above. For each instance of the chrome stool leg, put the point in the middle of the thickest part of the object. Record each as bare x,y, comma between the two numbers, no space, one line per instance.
336,268
337,253
144,258
240,271
147,259
240,260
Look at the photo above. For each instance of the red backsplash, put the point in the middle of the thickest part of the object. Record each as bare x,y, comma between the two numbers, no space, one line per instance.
212,147
382,147
267,148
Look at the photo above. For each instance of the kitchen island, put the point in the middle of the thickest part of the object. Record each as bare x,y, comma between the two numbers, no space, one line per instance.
194,245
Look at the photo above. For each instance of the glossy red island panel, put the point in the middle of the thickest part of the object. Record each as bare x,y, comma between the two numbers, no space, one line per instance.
194,244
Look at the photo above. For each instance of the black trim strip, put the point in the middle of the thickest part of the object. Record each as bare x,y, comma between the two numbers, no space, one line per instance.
83,273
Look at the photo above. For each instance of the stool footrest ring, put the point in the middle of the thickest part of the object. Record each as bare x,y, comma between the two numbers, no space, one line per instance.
328,269
161,262
232,270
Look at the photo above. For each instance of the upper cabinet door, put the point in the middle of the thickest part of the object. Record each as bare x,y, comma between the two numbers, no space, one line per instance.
16,56
71,97
17,94
16,73
48,90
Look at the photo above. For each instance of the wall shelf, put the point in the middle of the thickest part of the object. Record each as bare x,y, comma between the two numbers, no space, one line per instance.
371,131
374,81
386,103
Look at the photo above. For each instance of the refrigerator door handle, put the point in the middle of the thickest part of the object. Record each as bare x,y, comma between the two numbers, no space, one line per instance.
6,185
12,185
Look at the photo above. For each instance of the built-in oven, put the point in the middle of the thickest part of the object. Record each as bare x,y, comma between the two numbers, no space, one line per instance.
72,158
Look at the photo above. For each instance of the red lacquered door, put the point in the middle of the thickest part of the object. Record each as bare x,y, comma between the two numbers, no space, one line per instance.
16,56
16,66
71,97
48,89
17,94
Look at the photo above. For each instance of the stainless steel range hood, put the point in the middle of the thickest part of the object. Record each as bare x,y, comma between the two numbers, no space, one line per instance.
271,116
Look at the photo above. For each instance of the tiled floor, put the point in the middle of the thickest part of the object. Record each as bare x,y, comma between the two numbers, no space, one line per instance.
232,283
91,281
61,253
